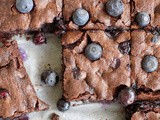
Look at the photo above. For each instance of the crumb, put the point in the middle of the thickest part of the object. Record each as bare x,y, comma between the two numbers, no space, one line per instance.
54,116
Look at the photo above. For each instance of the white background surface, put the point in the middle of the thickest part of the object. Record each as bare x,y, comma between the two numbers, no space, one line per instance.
39,58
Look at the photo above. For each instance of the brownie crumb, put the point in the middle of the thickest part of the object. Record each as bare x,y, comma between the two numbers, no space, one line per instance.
54,116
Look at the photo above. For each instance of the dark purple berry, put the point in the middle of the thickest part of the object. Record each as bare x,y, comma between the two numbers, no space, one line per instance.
3,93
116,63
63,105
49,77
39,38
124,47
127,96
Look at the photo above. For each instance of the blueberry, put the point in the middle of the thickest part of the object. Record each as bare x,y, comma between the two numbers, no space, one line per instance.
4,93
142,19
149,63
93,51
155,39
49,77
114,7
24,6
127,96
80,17
63,105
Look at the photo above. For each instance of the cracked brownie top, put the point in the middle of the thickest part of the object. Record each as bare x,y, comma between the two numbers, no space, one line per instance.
95,79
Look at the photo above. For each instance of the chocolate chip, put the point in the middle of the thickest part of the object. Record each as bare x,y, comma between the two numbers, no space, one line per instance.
4,93
76,73
125,47
116,63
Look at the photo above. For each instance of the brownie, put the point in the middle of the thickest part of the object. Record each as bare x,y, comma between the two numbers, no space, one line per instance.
146,116
147,84
151,7
17,95
44,11
99,18
98,80
143,110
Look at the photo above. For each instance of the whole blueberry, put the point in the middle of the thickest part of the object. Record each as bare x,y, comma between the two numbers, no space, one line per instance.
63,105
114,7
142,19
49,77
24,6
127,96
80,17
93,51
149,63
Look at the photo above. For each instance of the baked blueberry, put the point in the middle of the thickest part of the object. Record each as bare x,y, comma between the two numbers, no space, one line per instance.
3,93
149,63
142,19
114,7
80,17
155,39
63,105
93,51
24,6
126,96
49,77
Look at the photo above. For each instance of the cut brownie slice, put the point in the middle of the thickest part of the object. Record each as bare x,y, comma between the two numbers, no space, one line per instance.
96,80
145,59
143,110
98,16
145,13
44,11
17,95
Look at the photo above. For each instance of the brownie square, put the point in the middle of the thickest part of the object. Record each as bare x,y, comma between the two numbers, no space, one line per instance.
99,18
17,95
143,110
145,43
12,20
151,7
98,80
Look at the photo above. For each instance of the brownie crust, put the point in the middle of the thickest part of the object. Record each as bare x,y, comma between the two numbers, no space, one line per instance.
21,97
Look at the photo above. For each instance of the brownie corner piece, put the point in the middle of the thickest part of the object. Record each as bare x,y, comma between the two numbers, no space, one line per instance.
17,95
99,17
145,58
95,77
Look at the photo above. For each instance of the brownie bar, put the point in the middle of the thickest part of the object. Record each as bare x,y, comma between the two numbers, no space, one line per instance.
13,21
151,7
99,18
98,80
143,110
17,95
146,116
147,84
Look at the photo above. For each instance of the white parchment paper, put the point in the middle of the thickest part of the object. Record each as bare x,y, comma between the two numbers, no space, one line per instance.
41,57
